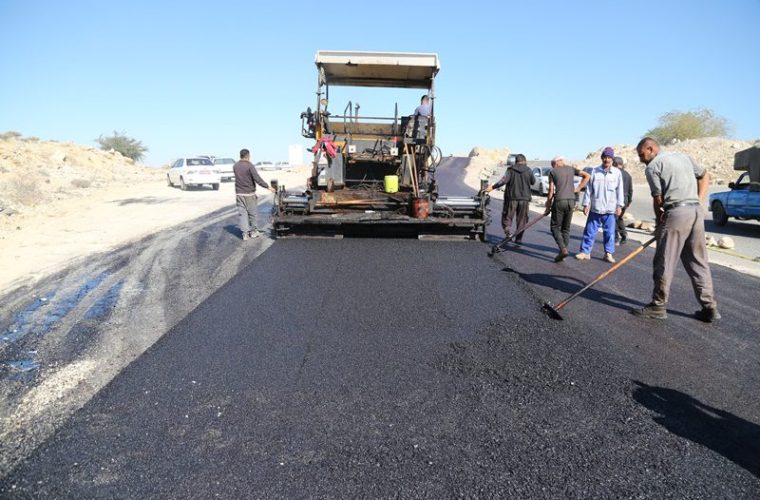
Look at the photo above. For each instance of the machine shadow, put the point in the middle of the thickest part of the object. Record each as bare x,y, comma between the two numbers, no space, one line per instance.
735,438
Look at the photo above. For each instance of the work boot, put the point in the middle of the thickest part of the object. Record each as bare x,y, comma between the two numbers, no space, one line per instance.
582,256
707,314
623,239
561,255
651,311
609,258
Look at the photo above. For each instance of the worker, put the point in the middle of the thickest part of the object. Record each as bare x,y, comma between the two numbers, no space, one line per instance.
246,178
602,204
518,178
425,108
560,201
678,187
621,235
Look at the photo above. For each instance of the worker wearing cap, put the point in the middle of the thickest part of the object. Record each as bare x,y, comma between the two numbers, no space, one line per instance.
621,235
560,201
679,187
602,203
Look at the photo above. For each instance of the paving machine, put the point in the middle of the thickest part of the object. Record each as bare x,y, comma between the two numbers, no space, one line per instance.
375,175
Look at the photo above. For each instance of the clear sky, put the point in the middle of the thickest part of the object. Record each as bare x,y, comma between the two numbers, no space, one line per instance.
541,77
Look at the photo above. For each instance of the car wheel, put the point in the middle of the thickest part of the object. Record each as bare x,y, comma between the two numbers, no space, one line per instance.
169,181
215,187
182,184
720,217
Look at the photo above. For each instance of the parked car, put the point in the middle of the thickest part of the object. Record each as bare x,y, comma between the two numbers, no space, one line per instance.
541,185
282,165
265,165
741,202
224,166
187,172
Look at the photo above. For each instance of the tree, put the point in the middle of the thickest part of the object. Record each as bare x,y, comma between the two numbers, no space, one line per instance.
127,146
679,125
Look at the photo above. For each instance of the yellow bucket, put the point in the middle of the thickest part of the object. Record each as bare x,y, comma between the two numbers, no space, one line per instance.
391,183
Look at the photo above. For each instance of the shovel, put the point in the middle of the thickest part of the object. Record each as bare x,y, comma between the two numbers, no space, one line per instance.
553,311
499,247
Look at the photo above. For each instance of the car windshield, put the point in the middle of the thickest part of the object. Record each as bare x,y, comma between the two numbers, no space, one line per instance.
224,161
194,162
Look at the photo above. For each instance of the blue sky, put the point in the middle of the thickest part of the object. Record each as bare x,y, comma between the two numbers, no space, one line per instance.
541,77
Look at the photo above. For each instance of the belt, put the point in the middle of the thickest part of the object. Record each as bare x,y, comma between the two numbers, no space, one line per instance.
680,204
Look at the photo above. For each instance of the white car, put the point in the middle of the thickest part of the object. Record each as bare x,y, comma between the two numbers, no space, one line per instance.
542,180
265,165
282,165
187,172
224,166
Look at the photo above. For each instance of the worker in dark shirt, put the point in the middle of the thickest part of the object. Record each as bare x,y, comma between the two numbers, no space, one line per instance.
246,178
517,179
560,201
621,235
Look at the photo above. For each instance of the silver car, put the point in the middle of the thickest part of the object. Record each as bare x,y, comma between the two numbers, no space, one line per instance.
224,166
541,184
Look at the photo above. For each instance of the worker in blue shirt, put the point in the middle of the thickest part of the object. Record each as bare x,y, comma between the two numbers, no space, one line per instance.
603,203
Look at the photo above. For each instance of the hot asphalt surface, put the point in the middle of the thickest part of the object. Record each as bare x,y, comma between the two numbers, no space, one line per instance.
398,368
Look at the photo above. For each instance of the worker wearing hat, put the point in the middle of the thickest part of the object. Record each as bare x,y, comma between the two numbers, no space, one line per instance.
603,202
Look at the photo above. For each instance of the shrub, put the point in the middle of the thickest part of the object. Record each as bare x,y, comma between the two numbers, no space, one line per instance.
679,126
127,146
80,183
11,134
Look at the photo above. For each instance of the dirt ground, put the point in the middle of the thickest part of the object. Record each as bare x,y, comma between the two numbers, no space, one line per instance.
38,244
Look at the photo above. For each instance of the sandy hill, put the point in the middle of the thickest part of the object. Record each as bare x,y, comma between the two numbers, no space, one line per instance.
714,153
34,173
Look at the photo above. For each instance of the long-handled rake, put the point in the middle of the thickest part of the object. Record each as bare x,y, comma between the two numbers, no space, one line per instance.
499,247
553,311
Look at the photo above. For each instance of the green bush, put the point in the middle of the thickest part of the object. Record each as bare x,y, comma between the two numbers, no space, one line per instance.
680,125
127,146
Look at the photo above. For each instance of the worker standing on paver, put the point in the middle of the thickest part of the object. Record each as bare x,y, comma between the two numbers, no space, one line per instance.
602,204
246,178
517,179
560,201
679,187
621,235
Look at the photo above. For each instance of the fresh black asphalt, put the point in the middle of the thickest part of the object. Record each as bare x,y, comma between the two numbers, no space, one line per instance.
369,368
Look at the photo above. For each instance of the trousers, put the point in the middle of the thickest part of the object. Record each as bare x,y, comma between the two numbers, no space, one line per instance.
515,209
607,221
620,232
682,235
246,207
562,218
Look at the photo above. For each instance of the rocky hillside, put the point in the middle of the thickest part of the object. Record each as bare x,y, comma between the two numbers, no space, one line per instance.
715,153
35,173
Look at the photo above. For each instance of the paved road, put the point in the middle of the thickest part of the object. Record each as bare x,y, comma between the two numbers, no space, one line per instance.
396,368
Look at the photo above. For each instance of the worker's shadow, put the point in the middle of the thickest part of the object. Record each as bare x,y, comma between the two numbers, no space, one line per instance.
735,438
234,230
570,285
